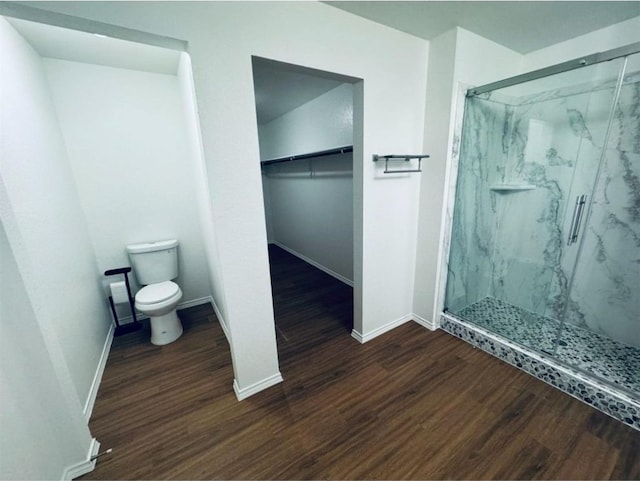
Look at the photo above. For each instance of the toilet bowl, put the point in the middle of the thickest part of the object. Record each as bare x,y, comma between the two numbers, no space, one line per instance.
155,264
159,302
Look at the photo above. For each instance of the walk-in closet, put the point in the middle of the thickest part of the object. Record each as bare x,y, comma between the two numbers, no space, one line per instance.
305,130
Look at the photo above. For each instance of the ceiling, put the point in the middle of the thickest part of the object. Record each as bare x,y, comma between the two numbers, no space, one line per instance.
66,44
519,25
281,87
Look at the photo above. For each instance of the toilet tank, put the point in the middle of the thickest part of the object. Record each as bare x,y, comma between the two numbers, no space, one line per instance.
154,262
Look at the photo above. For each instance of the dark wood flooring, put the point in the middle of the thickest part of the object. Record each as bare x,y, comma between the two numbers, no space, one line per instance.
411,404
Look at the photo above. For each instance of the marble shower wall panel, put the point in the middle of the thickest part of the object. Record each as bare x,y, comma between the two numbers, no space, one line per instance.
543,151
513,245
594,127
483,152
605,294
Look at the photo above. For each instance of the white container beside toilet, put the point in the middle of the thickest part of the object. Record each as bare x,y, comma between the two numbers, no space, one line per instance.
155,264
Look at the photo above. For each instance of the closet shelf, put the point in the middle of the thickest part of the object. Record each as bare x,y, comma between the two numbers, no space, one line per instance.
511,187
310,155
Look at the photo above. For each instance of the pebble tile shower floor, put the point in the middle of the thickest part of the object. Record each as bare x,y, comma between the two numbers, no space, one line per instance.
605,358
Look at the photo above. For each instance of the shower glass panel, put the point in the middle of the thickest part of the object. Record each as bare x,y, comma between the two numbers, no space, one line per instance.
601,331
529,171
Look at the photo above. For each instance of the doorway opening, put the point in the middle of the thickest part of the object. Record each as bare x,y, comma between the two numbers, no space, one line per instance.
310,149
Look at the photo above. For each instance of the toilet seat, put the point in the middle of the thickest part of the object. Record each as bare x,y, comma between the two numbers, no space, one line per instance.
156,293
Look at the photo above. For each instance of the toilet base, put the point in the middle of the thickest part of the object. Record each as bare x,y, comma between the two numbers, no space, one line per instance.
165,329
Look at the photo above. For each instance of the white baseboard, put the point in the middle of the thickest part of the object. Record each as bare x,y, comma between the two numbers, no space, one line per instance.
432,326
205,300
256,387
97,378
365,337
315,264
223,323
83,467
195,302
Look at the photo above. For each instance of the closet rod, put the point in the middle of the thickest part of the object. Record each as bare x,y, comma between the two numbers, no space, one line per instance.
322,153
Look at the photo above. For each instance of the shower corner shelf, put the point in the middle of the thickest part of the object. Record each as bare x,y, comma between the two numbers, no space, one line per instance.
511,187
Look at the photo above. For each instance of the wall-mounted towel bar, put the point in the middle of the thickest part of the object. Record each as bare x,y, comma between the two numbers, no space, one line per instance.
405,157
311,155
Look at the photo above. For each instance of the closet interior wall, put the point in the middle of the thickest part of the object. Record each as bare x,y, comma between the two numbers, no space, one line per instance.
309,202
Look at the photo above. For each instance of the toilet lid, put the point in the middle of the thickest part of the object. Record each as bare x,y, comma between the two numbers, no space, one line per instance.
159,292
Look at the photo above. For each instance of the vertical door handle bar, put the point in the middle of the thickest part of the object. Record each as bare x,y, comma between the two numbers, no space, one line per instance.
581,200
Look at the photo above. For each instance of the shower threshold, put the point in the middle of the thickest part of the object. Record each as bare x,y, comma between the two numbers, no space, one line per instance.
583,358
610,360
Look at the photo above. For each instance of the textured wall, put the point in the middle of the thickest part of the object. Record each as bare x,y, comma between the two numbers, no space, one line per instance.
126,138
47,227
309,203
54,316
39,432
311,210
323,123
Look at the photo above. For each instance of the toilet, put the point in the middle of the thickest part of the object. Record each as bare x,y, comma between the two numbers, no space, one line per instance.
155,264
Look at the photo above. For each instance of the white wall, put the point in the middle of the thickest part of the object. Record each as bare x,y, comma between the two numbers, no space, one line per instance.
459,57
54,316
309,203
608,38
127,143
40,434
59,266
438,117
202,193
323,123
473,53
614,36
309,206
222,39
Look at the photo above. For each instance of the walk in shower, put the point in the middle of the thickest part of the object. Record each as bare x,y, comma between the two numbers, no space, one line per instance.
545,237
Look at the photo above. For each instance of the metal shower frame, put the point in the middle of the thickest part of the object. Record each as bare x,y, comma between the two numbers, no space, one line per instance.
558,68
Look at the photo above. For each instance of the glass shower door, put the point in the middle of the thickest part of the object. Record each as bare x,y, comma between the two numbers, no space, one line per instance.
528,152
601,331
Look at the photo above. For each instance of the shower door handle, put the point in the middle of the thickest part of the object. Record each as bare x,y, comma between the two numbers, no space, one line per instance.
581,200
